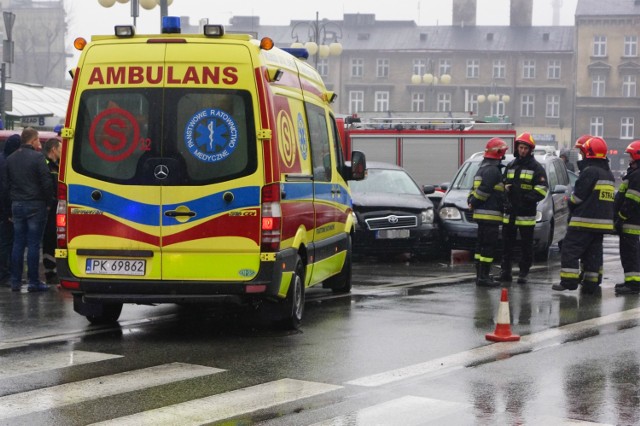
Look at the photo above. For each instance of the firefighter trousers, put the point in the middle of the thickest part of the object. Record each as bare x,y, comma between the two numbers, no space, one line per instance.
510,242
486,242
579,246
630,257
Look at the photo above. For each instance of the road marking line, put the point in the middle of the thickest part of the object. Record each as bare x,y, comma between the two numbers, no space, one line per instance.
407,410
460,360
226,405
99,387
22,364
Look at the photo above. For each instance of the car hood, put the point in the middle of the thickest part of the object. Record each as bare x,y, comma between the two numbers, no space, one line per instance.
380,199
456,197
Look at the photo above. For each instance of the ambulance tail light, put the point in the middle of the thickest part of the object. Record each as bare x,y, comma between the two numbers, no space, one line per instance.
61,216
271,215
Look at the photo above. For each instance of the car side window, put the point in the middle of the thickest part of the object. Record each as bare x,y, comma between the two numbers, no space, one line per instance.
552,176
561,172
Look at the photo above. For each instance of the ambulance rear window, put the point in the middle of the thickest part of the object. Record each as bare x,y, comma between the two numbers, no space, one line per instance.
165,136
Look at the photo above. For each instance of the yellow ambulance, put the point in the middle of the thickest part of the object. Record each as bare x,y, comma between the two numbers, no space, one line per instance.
200,168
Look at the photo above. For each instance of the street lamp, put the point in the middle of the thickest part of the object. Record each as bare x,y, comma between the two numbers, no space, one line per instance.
146,4
322,38
430,78
498,102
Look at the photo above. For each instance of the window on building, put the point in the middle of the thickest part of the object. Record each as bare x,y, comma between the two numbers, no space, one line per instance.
631,46
599,45
527,104
417,102
553,106
629,86
444,102
553,69
596,126
444,66
472,104
382,67
528,69
598,84
356,101
626,128
381,101
419,66
357,67
473,68
498,108
323,67
499,69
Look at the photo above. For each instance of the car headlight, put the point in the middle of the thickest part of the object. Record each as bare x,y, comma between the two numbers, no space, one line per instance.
450,213
538,216
426,216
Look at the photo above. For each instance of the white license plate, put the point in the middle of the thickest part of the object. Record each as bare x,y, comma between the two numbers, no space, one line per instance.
392,233
116,266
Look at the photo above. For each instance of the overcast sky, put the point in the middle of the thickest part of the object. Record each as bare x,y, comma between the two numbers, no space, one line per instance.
87,17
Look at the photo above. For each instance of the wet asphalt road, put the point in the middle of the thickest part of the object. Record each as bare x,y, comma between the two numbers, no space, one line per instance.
406,347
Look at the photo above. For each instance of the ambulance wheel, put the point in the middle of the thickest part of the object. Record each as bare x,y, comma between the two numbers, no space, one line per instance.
293,305
110,314
341,283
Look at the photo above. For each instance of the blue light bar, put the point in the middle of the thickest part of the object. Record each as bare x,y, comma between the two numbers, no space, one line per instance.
298,52
170,25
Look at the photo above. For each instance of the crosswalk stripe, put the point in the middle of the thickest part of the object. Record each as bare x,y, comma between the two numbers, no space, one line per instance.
99,387
407,411
37,362
226,405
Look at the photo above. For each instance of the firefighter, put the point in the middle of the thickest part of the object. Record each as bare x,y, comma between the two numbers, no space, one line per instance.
525,185
591,206
627,222
486,200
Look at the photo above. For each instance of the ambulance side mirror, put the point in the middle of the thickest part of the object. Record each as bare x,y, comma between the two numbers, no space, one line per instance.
358,165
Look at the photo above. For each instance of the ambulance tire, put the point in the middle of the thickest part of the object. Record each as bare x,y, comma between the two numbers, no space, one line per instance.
341,283
292,308
110,314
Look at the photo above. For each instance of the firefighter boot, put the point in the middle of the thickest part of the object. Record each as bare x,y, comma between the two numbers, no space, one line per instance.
484,279
627,288
505,272
522,276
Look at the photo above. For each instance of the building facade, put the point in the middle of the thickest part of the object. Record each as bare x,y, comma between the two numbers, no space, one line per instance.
607,74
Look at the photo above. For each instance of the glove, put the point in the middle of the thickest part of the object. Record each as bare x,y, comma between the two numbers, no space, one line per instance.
617,226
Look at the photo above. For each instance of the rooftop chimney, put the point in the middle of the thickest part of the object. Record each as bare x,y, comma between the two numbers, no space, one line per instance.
521,13
464,13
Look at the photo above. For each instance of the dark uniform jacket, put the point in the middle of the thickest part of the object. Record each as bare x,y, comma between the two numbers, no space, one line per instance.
529,185
487,197
27,176
591,202
627,203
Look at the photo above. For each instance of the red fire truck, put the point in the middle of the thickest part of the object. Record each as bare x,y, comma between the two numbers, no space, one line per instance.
430,149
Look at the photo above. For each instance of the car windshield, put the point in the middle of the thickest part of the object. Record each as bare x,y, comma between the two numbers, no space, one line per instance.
388,181
464,178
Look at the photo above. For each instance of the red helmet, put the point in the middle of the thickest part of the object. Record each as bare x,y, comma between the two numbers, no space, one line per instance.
526,139
496,148
580,141
634,150
595,147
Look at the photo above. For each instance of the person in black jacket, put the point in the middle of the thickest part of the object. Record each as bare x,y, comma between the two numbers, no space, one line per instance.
6,227
486,200
627,223
591,205
28,183
51,150
525,185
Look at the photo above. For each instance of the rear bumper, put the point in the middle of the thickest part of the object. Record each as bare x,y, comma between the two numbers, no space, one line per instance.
266,283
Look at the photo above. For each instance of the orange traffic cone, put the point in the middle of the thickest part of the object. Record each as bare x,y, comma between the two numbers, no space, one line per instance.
503,327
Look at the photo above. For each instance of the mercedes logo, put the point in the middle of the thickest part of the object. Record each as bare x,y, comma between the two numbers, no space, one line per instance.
161,171
392,219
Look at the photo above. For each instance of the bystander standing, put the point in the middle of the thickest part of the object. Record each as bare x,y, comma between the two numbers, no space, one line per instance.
51,150
30,190
6,227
